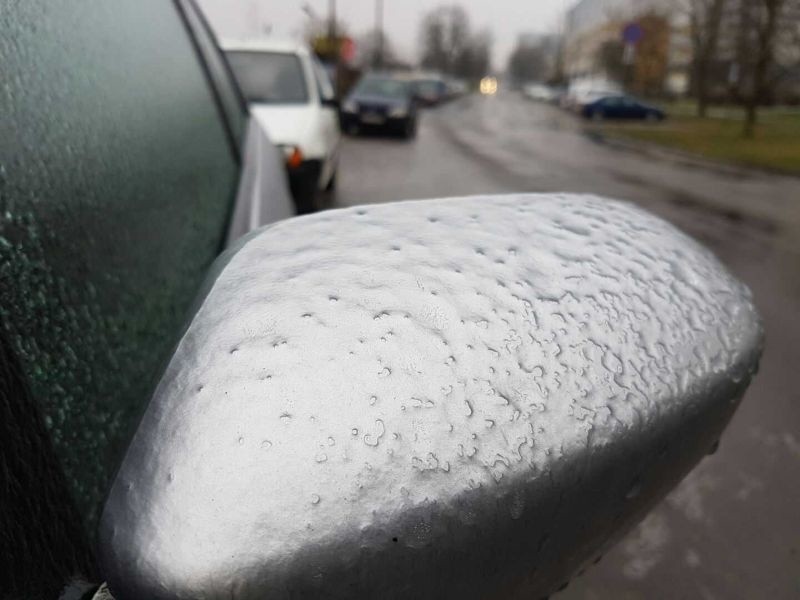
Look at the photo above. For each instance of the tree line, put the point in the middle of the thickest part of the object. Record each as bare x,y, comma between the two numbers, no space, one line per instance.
450,46
752,32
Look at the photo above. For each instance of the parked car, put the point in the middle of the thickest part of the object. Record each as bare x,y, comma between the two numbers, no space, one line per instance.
540,92
621,107
381,102
456,87
291,95
430,90
575,100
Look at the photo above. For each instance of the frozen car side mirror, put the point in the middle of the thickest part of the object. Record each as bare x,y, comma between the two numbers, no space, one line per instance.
460,398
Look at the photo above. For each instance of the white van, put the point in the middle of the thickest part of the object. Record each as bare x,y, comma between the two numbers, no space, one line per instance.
291,96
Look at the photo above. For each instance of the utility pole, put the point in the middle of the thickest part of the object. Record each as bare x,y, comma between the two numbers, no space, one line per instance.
332,21
333,47
379,32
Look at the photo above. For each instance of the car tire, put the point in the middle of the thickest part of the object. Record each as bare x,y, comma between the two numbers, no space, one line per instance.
652,117
305,192
409,131
597,116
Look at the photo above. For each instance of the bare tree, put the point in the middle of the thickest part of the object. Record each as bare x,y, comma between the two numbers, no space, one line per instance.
761,18
610,60
528,63
376,50
474,61
449,46
705,19
445,33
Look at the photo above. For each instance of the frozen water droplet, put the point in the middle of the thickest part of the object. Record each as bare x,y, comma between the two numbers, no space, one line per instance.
315,499
636,488
266,445
375,439
517,506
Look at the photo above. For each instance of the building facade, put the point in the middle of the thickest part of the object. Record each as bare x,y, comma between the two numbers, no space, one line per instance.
593,29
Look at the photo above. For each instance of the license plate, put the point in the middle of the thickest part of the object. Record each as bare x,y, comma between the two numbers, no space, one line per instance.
372,119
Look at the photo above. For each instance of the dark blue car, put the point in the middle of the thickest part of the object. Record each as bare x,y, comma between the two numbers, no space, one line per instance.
622,107
381,102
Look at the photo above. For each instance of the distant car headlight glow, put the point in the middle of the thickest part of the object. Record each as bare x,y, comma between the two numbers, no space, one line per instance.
398,112
350,107
488,86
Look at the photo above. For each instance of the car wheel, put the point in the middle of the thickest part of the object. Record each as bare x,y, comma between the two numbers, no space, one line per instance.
653,117
352,129
597,115
410,129
305,190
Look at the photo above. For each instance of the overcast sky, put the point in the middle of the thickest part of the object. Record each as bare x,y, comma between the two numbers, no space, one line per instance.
505,19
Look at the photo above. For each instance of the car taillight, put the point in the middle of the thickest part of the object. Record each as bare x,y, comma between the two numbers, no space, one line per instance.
294,156
295,159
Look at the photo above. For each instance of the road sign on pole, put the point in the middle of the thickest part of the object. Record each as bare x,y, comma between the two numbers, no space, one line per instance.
632,33
629,54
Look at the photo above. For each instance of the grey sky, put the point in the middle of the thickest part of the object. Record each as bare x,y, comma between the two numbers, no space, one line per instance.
505,19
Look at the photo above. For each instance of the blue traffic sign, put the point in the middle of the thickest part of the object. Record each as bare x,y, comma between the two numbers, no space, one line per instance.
632,33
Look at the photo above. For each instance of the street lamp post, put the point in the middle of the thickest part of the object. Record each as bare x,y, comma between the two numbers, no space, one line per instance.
379,32
333,46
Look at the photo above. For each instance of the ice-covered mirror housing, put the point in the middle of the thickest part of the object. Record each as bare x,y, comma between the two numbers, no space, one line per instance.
455,398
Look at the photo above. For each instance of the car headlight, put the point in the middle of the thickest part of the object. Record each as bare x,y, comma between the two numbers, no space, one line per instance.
350,107
398,112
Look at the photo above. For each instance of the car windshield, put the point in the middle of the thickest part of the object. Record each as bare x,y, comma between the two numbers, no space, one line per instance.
269,77
385,87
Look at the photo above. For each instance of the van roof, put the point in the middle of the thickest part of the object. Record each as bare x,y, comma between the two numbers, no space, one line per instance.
263,45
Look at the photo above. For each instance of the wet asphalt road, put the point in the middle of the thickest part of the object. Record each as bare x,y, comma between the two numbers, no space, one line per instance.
732,529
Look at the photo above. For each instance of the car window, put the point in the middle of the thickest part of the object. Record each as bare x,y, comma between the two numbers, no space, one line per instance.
269,77
117,178
326,91
428,88
386,87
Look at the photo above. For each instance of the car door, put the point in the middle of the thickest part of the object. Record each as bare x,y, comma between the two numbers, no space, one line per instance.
119,164
612,107
329,116
632,109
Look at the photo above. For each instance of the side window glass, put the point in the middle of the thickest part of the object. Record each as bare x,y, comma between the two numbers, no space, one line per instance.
324,84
